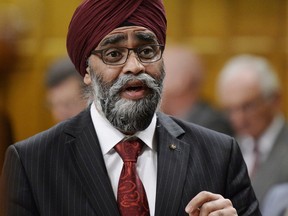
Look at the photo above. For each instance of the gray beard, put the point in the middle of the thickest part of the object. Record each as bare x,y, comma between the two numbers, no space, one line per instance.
128,116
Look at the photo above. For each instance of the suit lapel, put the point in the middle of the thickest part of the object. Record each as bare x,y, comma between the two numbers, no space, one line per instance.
88,162
173,157
90,167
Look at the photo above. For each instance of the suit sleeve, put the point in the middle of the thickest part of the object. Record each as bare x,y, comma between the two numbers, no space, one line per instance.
17,194
239,188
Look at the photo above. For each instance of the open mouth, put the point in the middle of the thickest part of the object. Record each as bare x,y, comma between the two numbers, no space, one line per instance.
134,90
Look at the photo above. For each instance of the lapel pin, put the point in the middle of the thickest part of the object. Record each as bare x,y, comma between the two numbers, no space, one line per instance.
172,146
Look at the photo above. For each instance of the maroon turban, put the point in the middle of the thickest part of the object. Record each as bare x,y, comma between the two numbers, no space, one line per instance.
94,19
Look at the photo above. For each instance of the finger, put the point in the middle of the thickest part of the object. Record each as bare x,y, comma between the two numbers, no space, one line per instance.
194,212
200,199
230,211
215,205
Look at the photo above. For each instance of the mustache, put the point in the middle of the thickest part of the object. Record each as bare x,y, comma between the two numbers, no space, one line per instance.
146,79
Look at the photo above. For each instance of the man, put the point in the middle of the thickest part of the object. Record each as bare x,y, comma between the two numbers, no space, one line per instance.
74,168
250,93
64,90
183,84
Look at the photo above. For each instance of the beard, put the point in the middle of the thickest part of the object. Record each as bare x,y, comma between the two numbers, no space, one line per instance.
128,116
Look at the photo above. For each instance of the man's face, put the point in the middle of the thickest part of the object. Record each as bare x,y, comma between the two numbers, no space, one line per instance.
248,110
65,99
128,94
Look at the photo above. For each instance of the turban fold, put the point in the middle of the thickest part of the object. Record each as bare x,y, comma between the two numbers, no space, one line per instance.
94,19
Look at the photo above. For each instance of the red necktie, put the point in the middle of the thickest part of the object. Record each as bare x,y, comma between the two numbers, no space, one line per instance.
131,197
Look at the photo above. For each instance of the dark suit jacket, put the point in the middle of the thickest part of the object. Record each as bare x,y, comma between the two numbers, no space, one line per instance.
274,170
205,115
62,172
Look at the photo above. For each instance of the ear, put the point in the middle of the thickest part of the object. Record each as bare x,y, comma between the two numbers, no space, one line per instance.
87,77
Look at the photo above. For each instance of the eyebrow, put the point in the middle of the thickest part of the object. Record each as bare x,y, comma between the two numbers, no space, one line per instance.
113,39
146,36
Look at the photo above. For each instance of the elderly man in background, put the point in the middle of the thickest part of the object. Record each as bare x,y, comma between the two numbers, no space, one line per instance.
120,156
249,91
185,74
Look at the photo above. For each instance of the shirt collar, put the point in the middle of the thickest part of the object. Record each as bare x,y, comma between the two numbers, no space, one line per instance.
267,140
109,136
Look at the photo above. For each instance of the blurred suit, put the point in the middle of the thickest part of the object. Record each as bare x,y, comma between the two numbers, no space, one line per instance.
274,169
276,201
203,114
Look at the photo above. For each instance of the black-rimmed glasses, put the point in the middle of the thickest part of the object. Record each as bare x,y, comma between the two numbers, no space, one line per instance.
118,55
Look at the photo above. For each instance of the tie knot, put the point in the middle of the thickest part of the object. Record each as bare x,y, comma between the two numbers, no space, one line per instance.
129,150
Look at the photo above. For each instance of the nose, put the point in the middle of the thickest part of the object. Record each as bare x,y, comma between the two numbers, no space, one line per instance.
133,64
237,118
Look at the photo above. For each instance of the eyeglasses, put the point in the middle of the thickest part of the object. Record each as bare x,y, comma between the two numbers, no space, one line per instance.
119,55
248,107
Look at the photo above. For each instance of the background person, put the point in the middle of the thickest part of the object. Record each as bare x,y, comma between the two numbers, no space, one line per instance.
74,168
185,74
249,91
64,90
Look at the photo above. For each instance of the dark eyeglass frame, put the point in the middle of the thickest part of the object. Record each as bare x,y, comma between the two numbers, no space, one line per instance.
136,50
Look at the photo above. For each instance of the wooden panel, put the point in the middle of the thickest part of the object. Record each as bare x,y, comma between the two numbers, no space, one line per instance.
257,17
206,18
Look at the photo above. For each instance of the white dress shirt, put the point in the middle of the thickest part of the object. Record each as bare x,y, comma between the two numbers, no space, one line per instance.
265,143
109,136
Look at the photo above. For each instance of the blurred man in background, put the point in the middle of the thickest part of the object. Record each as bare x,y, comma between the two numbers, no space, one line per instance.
250,93
64,90
182,90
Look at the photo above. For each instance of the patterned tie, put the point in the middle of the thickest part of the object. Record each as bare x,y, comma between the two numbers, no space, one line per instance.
131,197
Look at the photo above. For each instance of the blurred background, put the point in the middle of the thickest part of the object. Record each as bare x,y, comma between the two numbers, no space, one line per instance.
33,34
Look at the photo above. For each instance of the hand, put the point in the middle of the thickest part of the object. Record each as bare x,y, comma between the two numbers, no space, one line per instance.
210,204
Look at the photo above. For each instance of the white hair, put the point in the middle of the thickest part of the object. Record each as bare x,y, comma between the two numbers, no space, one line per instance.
262,69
